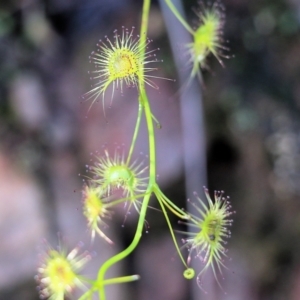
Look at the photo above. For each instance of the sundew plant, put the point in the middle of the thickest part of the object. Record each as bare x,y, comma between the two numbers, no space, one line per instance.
123,60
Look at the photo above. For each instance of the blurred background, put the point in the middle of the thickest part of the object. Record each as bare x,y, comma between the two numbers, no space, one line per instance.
48,136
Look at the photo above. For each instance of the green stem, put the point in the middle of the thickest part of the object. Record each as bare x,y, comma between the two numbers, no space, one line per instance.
179,17
151,137
125,252
145,103
118,201
144,29
122,279
171,230
87,295
170,205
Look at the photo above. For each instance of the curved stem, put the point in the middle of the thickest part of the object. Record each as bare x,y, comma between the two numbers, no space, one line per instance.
127,251
152,177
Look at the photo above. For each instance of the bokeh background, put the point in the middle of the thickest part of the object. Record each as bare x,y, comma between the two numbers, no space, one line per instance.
48,135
